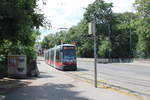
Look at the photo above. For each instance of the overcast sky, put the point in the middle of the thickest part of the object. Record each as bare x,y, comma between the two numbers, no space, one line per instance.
66,13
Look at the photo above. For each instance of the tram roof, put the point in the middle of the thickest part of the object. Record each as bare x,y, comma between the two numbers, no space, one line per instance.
58,46
64,45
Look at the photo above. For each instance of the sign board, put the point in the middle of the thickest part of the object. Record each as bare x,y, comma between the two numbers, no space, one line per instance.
91,28
17,65
68,47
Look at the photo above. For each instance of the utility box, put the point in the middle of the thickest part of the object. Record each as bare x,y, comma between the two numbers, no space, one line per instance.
17,66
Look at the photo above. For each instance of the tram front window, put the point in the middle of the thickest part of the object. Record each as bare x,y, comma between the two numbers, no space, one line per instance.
69,54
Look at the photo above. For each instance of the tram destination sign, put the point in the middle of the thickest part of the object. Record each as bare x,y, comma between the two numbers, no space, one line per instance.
68,47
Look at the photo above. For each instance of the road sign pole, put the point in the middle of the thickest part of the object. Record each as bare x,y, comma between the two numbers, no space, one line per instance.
92,30
95,62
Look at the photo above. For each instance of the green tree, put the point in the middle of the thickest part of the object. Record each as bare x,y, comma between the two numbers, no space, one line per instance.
103,48
19,24
101,12
119,35
143,32
17,19
124,38
142,7
142,25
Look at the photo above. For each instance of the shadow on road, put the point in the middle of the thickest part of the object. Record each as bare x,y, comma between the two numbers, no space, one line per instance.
9,84
45,76
81,69
46,92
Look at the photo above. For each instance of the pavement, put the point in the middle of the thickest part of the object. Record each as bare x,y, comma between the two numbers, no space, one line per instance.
53,84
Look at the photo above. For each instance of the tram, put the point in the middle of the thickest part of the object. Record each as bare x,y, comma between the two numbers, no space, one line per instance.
62,57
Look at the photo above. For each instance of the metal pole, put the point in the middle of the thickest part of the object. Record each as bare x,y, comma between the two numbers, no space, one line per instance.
109,42
95,55
130,41
95,62
92,30
130,45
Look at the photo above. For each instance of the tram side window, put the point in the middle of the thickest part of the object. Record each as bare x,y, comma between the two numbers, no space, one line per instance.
57,55
47,55
52,56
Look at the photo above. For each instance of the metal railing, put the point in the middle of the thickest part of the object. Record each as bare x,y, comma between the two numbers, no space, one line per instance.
115,60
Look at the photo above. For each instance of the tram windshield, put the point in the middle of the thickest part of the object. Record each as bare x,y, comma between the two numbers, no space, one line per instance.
69,54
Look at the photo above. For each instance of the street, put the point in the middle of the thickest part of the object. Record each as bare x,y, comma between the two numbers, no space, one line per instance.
75,50
133,78
53,84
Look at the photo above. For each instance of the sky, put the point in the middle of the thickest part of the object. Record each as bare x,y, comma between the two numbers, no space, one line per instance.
66,13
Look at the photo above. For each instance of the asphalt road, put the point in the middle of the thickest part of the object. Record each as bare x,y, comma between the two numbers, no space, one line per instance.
133,78
53,84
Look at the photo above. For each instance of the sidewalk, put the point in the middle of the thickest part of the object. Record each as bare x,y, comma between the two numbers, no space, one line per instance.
56,85
85,90
9,84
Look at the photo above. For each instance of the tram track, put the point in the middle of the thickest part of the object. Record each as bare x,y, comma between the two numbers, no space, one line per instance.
88,76
108,74
102,83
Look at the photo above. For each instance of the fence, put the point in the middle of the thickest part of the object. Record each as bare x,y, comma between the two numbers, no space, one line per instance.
116,60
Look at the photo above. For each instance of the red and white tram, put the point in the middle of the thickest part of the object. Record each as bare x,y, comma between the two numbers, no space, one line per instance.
62,57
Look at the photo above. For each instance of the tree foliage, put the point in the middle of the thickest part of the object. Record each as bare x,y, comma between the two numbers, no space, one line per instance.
119,35
142,25
142,7
19,24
